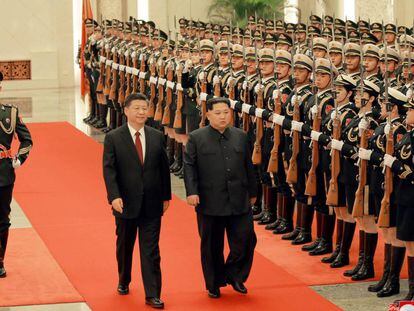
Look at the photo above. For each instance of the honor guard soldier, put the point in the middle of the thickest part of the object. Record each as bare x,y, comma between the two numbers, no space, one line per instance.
11,125
393,59
335,51
302,40
371,63
320,47
353,60
391,35
377,31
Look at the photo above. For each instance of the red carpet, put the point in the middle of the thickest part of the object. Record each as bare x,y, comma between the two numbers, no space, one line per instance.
61,191
34,277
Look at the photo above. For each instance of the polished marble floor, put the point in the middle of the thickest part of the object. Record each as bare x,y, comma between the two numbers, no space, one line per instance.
51,105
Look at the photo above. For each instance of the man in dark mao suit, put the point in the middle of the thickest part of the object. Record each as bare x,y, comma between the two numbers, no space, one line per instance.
220,183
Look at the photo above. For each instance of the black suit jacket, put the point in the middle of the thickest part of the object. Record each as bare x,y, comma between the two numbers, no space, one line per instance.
219,169
143,188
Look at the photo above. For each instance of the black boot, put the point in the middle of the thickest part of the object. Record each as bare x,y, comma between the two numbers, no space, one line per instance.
367,269
263,205
392,286
174,165
91,114
119,118
410,266
180,171
314,244
339,232
286,224
170,151
305,235
343,257
3,245
292,235
269,215
101,110
101,124
360,255
325,245
386,270
273,205
95,117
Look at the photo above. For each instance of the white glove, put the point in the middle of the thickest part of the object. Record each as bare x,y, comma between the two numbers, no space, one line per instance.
102,59
387,129
115,66
133,54
108,62
121,67
233,103
334,114
364,154
161,81
230,80
293,98
203,96
170,84
258,87
126,54
275,94
113,50
337,144
259,112
244,85
142,75
16,163
128,70
389,160
314,111
363,125
153,80
179,87
315,135
246,108
297,126
278,119
216,80
135,71
141,56
201,76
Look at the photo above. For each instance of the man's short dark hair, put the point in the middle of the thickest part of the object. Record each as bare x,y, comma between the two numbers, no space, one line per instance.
135,96
217,100
1,76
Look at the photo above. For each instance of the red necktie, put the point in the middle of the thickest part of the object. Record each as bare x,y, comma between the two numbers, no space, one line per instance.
138,145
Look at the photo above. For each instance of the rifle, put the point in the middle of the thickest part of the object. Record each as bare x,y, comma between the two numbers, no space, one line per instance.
158,111
107,87
231,84
100,86
384,216
310,188
170,76
142,68
178,121
362,192
292,173
257,150
113,88
203,85
273,166
121,90
135,62
332,195
246,94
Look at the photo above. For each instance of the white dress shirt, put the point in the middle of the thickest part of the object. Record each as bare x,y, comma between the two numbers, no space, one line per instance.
141,137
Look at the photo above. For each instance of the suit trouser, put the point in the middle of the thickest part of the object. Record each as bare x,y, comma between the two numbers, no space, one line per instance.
242,241
148,230
5,201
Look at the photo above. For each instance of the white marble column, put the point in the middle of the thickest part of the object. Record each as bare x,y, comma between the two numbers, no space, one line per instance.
110,9
376,10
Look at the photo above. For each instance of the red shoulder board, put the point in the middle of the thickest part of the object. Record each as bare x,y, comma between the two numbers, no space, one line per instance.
399,137
347,121
328,109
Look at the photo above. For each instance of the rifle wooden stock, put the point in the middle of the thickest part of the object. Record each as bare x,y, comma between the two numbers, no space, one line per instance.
384,215
257,151
142,80
203,104
245,116
310,188
128,78
167,109
273,166
292,173
107,87
332,195
121,90
135,78
153,91
158,110
178,119
358,209
114,74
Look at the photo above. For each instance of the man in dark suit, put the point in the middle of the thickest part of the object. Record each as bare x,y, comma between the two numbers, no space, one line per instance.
137,180
220,182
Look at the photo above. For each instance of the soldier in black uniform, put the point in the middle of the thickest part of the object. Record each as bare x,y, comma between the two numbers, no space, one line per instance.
10,125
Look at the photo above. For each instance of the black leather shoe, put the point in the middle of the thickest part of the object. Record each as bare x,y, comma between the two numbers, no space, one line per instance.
267,218
323,248
355,270
155,303
340,261
3,273
302,238
214,293
239,287
259,216
312,246
256,210
123,289
284,227
273,225
292,235
330,259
